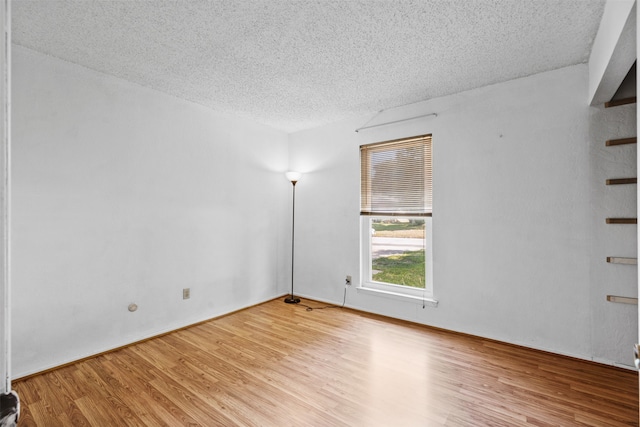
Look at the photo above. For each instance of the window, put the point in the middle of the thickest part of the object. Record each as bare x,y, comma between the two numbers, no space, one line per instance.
395,209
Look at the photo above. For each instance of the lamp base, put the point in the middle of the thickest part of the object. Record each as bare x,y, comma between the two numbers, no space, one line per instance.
291,300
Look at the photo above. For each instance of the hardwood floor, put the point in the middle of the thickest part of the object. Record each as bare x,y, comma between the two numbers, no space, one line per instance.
278,365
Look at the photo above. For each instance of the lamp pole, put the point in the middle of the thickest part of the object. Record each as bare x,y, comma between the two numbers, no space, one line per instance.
293,177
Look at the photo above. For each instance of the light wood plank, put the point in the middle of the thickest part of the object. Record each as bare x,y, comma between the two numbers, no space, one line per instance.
622,260
623,101
622,300
277,364
622,220
622,181
621,141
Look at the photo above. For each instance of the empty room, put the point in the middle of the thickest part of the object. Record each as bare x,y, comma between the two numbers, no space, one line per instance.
318,213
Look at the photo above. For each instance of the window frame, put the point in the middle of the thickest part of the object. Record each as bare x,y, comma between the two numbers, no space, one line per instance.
424,295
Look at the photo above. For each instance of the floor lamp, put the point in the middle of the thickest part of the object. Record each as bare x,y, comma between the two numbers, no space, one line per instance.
293,177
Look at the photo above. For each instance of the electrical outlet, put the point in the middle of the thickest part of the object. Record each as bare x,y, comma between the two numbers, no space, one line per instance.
186,293
348,280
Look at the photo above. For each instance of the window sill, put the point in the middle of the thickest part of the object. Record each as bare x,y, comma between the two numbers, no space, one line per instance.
398,296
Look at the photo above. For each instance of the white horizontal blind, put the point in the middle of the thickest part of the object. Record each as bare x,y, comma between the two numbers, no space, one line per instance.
396,177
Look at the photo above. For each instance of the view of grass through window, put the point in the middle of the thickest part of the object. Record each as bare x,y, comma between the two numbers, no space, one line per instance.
397,251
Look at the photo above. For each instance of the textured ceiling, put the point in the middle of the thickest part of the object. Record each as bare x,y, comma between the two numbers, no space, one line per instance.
297,64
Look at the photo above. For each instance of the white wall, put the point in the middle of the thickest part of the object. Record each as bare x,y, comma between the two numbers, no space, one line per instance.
516,256
123,194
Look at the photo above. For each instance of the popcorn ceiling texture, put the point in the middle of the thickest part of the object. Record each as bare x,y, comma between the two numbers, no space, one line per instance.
298,64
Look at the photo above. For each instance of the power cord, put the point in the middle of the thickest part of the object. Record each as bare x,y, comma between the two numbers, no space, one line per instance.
344,300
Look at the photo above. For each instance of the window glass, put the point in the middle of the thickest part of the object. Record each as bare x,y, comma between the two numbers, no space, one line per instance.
398,251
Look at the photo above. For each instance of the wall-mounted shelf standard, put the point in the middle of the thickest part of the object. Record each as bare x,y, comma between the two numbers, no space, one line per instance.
622,260
620,181
622,220
630,100
621,141
622,300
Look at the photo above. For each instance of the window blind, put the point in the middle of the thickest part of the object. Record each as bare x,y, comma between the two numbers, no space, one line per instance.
396,177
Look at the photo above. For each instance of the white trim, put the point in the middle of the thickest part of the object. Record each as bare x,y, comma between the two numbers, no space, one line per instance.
5,195
613,51
637,279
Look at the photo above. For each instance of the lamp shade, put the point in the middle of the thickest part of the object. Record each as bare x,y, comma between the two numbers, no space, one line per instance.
293,176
